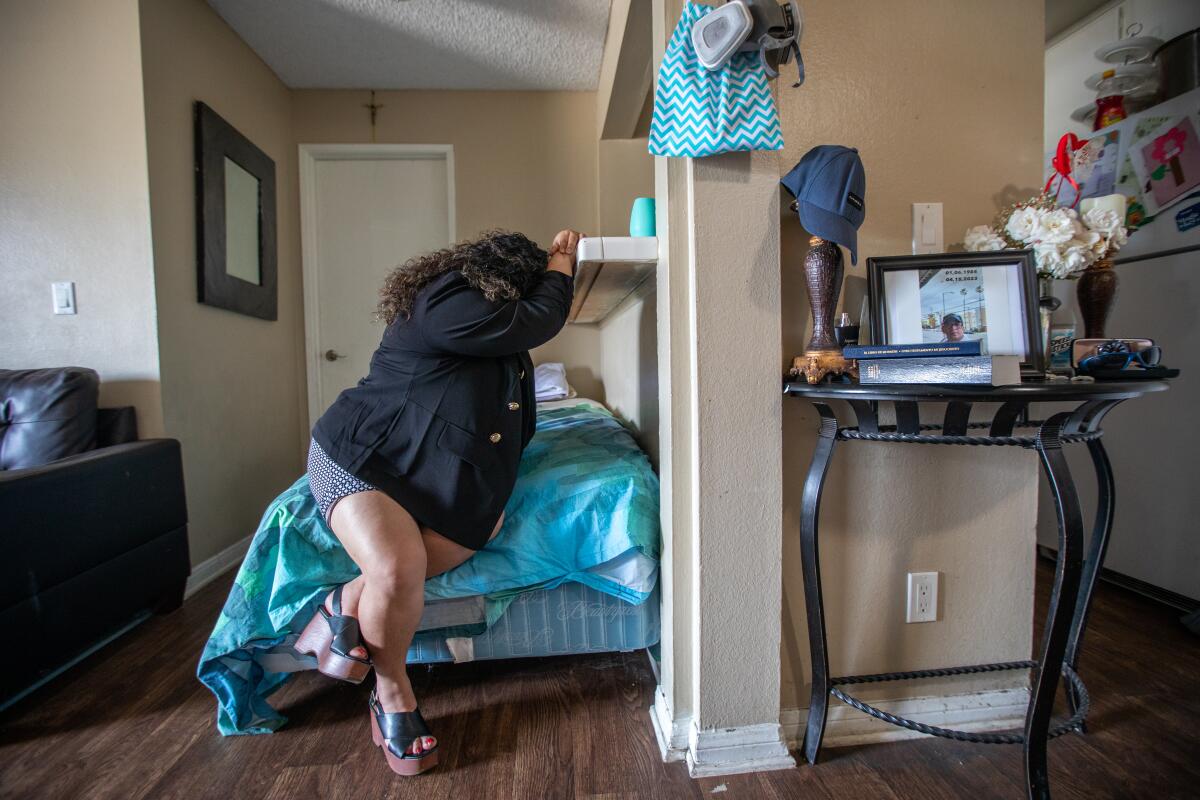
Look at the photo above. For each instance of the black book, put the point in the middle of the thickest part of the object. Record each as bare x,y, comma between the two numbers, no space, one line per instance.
982,370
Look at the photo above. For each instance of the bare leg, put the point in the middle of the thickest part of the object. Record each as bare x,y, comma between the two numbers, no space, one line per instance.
385,541
443,555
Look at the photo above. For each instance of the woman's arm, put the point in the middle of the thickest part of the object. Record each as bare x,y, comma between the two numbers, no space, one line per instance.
562,253
457,318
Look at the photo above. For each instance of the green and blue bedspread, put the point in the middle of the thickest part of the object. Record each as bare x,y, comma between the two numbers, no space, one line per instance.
586,499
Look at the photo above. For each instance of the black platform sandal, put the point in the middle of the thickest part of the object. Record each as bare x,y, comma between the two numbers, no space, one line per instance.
395,732
331,638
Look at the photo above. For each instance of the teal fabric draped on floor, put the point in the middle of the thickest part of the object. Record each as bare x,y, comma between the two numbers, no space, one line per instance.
585,496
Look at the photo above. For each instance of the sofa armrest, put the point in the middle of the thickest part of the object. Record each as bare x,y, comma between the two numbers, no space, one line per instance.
61,518
116,426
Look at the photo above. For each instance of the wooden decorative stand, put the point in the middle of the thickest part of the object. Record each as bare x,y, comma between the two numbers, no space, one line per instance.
822,357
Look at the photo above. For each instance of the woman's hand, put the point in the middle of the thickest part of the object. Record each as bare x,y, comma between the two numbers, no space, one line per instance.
562,252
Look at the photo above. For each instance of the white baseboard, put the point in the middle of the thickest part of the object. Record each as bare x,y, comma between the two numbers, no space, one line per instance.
723,751
747,748
672,734
210,569
973,711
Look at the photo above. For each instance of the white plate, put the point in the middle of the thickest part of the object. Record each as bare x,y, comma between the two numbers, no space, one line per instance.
1131,79
1129,50
1133,104
1085,114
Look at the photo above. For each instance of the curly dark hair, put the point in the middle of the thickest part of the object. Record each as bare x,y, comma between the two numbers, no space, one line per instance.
501,264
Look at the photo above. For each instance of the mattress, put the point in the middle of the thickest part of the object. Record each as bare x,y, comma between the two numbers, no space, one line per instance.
570,618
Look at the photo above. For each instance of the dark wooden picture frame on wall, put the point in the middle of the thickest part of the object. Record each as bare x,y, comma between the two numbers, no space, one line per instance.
992,296
235,220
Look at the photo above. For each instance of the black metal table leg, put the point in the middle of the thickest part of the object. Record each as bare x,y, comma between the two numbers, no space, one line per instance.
1098,546
814,610
1105,508
1063,600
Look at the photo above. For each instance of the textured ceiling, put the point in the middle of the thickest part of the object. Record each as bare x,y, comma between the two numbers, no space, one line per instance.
425,44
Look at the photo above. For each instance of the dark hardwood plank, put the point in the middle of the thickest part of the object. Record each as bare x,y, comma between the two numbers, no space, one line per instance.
133,722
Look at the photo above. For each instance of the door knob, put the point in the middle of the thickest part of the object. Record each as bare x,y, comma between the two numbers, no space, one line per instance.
333,355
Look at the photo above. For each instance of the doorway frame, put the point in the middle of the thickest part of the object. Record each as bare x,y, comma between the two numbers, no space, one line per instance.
310,154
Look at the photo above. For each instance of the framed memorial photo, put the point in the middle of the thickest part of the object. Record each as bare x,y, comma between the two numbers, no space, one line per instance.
235,219
949,297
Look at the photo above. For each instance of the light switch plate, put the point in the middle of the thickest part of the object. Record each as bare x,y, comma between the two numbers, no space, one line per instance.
928,235
63,294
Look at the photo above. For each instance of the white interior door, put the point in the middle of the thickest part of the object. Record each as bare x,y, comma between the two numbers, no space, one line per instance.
365,210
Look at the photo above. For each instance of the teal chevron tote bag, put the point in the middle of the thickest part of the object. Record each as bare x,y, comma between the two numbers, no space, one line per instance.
700,113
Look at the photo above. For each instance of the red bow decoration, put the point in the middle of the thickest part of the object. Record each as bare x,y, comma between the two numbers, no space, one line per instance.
1062,162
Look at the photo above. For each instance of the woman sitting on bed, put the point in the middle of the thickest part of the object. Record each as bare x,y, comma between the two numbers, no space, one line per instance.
412,467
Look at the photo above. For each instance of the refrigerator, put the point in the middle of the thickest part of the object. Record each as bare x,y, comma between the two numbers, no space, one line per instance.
1153,442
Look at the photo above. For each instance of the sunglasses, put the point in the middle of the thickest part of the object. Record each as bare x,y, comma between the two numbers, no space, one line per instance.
1147,357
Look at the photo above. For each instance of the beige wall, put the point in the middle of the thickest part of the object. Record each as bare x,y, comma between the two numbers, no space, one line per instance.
233,385
628,337
943,101
525,161
629,368
74,204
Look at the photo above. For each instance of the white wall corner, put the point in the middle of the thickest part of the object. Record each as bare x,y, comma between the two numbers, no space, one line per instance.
746,748
998,710
672,733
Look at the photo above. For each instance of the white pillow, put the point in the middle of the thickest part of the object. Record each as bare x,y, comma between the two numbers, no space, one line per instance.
550,382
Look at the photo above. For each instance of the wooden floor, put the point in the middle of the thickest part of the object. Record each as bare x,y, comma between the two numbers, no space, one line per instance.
132,721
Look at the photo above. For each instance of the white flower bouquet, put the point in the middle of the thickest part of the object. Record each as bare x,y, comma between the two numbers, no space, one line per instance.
1064,242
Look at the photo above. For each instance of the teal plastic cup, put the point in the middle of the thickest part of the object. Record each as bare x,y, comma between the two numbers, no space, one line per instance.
641,218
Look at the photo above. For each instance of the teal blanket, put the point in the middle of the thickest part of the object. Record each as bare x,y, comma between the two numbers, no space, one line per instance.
585,496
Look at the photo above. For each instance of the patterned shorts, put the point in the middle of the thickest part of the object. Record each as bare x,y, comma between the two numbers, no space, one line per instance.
329,482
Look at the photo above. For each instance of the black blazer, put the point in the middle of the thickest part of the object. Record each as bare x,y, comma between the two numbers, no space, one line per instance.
441,420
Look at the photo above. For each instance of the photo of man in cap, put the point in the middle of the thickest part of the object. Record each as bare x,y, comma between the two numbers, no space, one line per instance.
953,306
952,328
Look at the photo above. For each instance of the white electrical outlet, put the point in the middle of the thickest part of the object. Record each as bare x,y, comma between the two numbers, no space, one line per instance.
922,597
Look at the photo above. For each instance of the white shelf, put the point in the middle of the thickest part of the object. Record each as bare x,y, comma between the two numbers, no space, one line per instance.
610,268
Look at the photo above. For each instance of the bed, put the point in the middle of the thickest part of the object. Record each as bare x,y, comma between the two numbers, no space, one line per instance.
574,570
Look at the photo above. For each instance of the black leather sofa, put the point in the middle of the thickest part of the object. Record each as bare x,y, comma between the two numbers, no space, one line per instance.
93,523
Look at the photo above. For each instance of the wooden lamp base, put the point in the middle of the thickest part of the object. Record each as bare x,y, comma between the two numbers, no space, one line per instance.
816,365
823,274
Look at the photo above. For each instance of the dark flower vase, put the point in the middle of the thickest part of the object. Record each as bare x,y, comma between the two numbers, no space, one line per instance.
1096,290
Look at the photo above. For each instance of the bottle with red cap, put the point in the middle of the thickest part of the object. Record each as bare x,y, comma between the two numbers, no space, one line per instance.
1110,101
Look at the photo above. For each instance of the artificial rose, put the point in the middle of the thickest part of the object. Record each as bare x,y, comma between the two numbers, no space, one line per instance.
983,238
1089,239
1022,223
1117,239
1057,227
1050,260
1077,255
1107,224
1104,220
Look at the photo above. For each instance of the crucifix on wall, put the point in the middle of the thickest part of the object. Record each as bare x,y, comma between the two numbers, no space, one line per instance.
373,108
